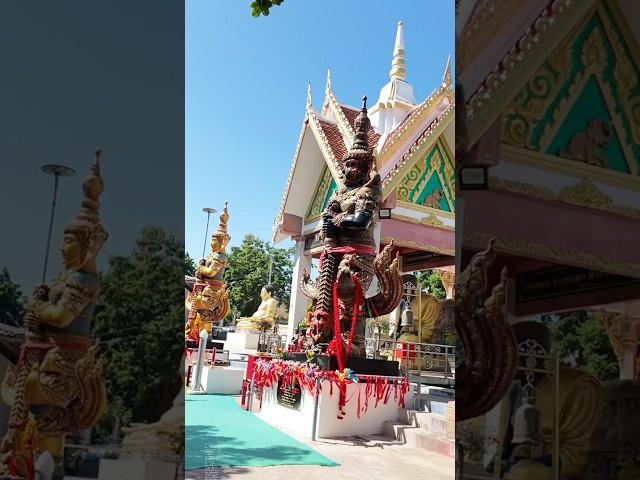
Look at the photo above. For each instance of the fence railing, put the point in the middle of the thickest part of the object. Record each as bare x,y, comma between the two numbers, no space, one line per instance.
430,358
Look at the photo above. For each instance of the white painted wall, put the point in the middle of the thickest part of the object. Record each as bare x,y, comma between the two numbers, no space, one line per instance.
299,301
329,426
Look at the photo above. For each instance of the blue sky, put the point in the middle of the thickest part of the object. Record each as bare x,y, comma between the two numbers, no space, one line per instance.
246,82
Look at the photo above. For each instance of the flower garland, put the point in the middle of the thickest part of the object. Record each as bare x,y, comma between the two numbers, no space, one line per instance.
291,373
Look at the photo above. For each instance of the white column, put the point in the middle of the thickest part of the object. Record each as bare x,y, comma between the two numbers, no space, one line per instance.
377,231
299,301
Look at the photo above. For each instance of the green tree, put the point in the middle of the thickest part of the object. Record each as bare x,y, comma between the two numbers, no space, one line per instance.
189,265
262,7
247,272
139,324
430,279
580,336
11,300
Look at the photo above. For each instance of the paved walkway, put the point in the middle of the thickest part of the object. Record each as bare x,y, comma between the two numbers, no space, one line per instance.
360,458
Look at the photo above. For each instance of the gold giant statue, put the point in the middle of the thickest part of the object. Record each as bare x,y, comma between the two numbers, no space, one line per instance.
210,301
56,386
262,319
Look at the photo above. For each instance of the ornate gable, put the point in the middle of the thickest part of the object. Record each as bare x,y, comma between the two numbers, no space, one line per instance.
431,181
326,186
590,71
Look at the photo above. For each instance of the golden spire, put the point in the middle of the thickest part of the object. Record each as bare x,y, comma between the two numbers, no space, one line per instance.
328,85
86,222
221,232
397,64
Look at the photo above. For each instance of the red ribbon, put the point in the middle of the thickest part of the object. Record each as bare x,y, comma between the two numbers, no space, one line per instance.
358,249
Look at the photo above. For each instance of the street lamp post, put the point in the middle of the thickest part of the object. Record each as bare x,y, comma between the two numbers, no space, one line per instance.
57,171
270,265
209,211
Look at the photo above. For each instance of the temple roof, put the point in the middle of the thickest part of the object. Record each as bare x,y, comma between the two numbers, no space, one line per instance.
327,135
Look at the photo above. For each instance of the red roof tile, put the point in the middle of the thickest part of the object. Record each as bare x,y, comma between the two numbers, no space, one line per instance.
335,139
351,114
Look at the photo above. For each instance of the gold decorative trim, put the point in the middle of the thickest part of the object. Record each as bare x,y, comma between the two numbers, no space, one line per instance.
562,166
547,253
424,142
419,246
400,134
584,194
325,148
433,221
320,193
426,210
594,58
513,186
430,220
343,123
514,70
485,21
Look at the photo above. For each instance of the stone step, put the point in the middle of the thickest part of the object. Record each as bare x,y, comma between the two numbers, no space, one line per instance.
431,422
417,437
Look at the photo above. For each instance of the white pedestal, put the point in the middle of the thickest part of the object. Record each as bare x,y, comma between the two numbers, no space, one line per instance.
142,469
240,341
221,380
300,422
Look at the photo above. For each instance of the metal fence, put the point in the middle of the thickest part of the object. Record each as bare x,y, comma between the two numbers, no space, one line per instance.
429,359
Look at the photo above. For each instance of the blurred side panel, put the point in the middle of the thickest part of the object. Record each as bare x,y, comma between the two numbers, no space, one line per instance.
548,289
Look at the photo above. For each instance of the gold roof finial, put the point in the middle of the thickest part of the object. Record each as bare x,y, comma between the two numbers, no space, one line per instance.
309,99
446,77
397,64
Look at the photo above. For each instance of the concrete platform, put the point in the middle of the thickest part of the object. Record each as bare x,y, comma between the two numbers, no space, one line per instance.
221,380
241,341
300,422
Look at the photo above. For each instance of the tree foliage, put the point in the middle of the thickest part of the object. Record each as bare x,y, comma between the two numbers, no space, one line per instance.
262,7
189,265
11,300
247,272
581,339
430,279
139,323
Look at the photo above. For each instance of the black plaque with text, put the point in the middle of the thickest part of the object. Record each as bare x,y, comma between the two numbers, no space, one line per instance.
289,395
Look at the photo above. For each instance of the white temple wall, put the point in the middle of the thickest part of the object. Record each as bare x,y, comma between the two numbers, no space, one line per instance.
299,302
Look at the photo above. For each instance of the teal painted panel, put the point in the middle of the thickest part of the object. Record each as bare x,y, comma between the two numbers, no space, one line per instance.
332,188
590,104
433,187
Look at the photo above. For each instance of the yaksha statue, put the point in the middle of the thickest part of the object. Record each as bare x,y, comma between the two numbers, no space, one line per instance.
56,387
209,297
348,262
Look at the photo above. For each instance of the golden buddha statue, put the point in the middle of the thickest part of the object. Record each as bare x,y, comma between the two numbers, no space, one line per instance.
262,319
56,386
209,299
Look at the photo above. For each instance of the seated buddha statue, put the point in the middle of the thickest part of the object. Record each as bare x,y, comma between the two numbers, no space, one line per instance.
262,319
